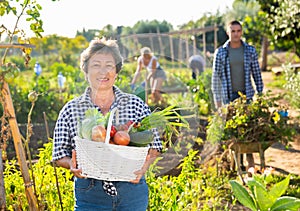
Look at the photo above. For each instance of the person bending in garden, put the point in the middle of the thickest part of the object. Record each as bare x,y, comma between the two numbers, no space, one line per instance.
156,75
101,63
234,64
196,64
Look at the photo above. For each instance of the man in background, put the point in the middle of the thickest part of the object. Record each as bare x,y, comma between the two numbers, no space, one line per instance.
235,64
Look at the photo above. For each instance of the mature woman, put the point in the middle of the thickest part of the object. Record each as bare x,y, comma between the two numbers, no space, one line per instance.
156,75
101,62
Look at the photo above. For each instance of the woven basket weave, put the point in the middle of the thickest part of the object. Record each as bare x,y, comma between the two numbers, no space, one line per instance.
106,161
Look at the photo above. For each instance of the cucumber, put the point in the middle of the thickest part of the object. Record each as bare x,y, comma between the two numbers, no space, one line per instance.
141,138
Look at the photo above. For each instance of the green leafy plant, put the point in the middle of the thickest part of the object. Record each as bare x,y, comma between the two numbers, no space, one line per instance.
46,189
261,195
192,189
292,78
201,92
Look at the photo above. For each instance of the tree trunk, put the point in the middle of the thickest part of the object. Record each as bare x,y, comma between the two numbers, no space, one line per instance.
20,152
264,53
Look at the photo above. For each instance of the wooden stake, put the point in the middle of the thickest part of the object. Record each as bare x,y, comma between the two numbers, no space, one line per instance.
2,189
8,107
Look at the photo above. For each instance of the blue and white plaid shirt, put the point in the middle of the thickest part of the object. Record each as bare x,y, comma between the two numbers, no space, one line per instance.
221,79
130,107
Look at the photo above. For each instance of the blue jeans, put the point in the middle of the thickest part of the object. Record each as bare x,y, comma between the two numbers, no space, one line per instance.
90,196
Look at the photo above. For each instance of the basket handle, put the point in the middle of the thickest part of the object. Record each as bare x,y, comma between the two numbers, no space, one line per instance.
111,116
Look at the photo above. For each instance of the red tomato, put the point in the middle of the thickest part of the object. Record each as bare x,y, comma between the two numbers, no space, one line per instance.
122,138
113,131
99,133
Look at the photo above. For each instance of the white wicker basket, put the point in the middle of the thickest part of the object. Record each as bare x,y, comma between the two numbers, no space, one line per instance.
106,161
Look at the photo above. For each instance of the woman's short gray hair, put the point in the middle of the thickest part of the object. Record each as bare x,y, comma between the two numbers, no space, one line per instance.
146,50
106,46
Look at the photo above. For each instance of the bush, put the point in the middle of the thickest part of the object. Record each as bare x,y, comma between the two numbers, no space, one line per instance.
292,84
260,120
44,180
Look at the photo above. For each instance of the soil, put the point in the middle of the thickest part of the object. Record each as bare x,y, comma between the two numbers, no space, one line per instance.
283,160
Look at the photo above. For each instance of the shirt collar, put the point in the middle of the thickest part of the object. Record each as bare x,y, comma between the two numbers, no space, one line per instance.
226,44
86,97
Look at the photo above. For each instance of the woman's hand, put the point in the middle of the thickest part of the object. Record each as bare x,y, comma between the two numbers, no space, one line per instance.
140,173
73,166
151,157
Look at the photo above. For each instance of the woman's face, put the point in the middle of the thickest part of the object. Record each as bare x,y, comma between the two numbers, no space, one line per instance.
146,57
101,72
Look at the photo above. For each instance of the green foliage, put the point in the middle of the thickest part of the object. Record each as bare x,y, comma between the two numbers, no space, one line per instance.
14,186
191,190
215,128
263,195
153,26
254,28
201,92
285,19
282,21
17,9
18,61
48,103
292,78
195,188
52,97
44,184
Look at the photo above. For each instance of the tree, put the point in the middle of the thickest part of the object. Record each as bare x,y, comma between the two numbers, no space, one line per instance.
254,26
142,27
283,21
242,9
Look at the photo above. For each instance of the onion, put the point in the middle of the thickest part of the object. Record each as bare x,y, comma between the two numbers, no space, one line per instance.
98,133
122,138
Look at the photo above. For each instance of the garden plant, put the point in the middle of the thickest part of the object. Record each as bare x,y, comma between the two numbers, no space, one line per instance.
261,194
31,181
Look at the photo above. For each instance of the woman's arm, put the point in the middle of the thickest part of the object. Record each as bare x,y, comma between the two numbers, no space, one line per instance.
70,163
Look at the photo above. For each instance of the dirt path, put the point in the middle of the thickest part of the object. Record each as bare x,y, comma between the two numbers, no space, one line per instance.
277,156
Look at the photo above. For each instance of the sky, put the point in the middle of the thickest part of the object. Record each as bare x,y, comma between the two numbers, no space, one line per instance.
65,17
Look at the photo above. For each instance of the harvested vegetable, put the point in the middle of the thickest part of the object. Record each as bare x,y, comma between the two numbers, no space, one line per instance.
123,127
168,120
98,133
113,131
92,118
121,138
141,139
